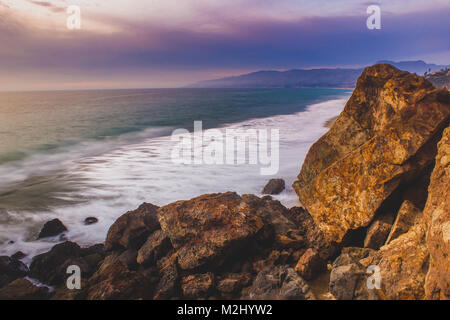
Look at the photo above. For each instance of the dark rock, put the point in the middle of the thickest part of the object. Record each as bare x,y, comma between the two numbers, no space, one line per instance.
274,186
132,229
167,287
279,283
377,234
11,269
46,267
22,289
95,249
197,286
233,282
18,255
52,228
90,220
129,258
310,264
156,246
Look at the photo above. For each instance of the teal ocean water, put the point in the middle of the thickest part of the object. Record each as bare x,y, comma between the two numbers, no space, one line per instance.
74,154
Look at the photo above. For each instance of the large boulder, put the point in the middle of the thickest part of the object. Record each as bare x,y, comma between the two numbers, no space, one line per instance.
11,269
384,138
209,228
437,215
23,289
274,186
132,229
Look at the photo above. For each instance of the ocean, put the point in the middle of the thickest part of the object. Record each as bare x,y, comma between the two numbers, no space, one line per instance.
75,154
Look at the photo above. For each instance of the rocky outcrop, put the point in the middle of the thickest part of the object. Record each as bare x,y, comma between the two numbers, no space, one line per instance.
23,289
384,139
11,269
437,216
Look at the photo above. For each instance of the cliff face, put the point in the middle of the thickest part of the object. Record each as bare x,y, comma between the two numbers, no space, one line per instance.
371,173
383,140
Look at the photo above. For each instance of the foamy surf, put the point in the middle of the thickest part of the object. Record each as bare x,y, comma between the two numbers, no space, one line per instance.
106,184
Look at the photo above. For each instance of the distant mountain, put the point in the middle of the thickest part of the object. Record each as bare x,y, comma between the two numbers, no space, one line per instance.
304,78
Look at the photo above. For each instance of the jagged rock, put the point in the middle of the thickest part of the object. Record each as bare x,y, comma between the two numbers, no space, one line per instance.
310,264
233,282
196,286
52,228
437,215
23,289
209,228
384,138
47,267
168,284
279,283
90,220
132,229
407,216
11,269
114,280
18,255
348,277
377,234
156,246
274,186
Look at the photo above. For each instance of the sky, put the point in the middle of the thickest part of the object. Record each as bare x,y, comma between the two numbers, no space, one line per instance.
168,43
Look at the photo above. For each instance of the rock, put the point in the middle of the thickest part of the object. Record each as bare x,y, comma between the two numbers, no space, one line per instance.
115,281
384,138
129,257
18,255
132,229
233,282
197,286
437,216
11,269
22,289
310,264
274,186
46,267
90,220
348,277
156,246
407,216
210,228
168,285
279,283
377,234
52,228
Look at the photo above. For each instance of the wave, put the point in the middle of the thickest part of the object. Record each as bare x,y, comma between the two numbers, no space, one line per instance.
105,179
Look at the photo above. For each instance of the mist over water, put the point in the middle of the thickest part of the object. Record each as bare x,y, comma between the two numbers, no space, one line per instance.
71,155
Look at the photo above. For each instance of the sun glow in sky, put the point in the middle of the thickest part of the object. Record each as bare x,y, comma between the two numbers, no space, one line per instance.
160,43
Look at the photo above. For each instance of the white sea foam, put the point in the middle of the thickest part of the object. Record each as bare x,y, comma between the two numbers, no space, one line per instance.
116,181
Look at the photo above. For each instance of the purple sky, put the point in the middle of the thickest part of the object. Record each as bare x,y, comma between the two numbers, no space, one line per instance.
165,43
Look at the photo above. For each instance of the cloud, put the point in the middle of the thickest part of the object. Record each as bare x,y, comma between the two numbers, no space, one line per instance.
48,5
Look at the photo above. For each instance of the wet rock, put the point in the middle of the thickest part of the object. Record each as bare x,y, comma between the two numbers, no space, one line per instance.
46,267
52,228
18,255
310,264
132,229
384,138
156,246
279,283
90,220
23,289
11,269
274,186
210,228
197,286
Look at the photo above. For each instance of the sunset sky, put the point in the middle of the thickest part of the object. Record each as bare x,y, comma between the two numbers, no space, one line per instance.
165,43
